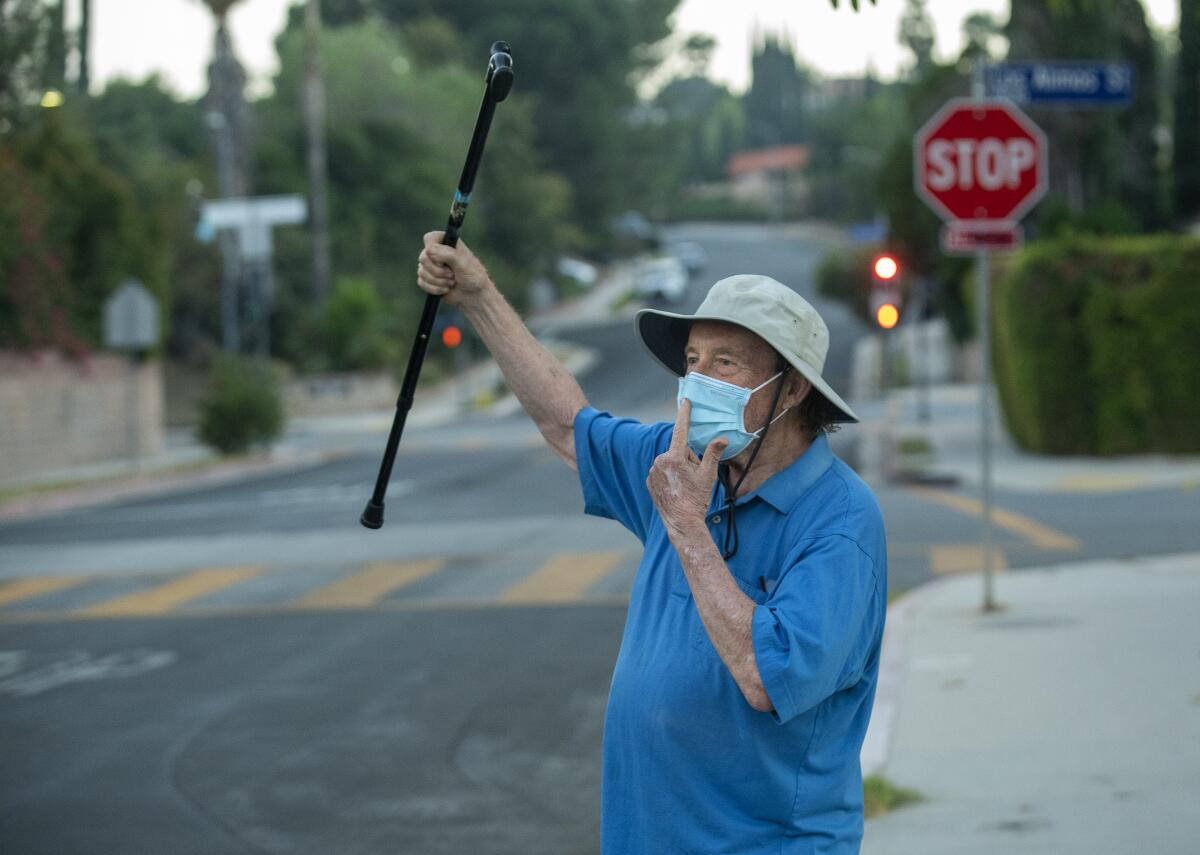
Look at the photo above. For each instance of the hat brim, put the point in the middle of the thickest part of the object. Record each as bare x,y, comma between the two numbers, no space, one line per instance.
665,336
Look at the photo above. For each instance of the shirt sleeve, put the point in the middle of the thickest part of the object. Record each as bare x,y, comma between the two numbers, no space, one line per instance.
614,457
812,638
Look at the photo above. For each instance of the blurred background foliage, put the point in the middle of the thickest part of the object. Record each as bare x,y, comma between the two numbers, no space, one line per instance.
613,111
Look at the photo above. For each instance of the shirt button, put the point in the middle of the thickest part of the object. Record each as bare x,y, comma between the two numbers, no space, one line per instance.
716,519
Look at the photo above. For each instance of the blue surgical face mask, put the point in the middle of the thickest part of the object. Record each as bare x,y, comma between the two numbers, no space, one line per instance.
718,412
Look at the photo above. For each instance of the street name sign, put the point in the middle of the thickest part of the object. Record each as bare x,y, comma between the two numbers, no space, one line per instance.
253,219
131,317
980,161
1070,85
958,238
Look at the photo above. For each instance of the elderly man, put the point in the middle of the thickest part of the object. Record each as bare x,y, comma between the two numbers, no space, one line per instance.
743,687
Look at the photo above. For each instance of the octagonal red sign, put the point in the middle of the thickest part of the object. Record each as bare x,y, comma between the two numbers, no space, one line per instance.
980,161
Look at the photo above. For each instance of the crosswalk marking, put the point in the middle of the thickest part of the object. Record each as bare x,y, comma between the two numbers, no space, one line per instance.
171,595
22,589
1038,534
369,585
963,559
563,578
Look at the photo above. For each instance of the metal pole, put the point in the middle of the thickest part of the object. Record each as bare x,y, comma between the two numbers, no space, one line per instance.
924,333
314,130
985,417
983,316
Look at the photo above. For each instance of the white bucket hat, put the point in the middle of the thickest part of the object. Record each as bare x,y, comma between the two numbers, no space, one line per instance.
769,309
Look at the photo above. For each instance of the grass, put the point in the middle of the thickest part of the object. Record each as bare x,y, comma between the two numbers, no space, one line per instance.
881,796
914,445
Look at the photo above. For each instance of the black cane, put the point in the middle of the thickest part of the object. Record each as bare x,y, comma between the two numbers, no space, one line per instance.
497,84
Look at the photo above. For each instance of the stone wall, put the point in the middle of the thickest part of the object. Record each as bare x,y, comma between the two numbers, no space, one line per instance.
56,414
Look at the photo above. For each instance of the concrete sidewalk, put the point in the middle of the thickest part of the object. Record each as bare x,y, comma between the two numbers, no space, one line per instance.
1068,721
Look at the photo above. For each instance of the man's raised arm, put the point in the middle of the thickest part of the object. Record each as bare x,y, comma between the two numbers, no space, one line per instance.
541,383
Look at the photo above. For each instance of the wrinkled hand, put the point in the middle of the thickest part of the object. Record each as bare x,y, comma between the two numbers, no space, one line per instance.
452,273
680,484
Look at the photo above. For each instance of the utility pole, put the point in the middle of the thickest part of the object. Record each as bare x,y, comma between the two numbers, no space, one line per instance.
226,117
314,131
85,36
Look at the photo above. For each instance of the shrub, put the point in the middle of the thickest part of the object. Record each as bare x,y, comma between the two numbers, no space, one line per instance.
243,406
1097,343
354,327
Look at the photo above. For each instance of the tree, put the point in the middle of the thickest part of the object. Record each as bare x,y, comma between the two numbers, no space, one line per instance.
1187,116
774,103
577,62
25,36
916,34
709,119
1100,157
980,29
394,159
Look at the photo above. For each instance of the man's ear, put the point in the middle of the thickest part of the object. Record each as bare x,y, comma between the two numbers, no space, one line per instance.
797,389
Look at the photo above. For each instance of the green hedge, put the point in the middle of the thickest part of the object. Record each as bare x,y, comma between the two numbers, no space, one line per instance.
1097,345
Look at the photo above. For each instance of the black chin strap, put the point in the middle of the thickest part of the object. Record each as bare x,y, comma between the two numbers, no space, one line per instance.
731,532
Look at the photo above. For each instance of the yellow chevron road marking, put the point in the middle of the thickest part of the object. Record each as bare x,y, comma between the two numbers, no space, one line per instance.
368,586
963,559
563,578
22,589
170,595
1036,533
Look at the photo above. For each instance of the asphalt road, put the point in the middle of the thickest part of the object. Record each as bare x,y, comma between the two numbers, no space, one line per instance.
244,668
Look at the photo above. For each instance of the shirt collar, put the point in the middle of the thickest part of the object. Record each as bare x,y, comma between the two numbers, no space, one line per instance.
783,489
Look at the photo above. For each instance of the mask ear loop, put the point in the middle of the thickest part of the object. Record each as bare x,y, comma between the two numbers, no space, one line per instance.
731,531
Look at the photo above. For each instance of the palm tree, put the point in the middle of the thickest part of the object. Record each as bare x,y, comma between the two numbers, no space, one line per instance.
225,110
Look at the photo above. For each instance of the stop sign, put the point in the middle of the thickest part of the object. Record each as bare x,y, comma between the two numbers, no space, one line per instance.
980,161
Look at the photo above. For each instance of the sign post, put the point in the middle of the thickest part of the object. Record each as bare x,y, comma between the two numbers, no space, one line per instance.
131,324
251,221
981,164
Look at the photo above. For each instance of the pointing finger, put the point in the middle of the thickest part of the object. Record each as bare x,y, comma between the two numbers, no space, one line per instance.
682,420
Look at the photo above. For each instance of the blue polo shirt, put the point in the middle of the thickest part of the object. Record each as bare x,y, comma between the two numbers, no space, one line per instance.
688,765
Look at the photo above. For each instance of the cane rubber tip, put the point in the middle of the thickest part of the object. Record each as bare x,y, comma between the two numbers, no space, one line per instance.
372,516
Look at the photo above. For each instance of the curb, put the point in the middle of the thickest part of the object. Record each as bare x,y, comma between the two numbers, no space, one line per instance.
893,666
216,474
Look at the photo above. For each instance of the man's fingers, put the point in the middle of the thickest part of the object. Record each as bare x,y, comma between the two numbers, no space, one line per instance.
712,456
434,238
441,254
682,420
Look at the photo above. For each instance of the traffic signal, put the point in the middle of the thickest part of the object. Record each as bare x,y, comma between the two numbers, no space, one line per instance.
452,336
885,291
885,268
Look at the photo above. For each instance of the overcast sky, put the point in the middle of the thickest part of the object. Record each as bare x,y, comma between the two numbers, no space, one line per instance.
132,38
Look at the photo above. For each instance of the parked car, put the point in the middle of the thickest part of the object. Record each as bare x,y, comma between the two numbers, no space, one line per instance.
692,255
664,278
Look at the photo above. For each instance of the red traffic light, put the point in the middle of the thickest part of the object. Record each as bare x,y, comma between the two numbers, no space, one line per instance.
885,267
452,336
